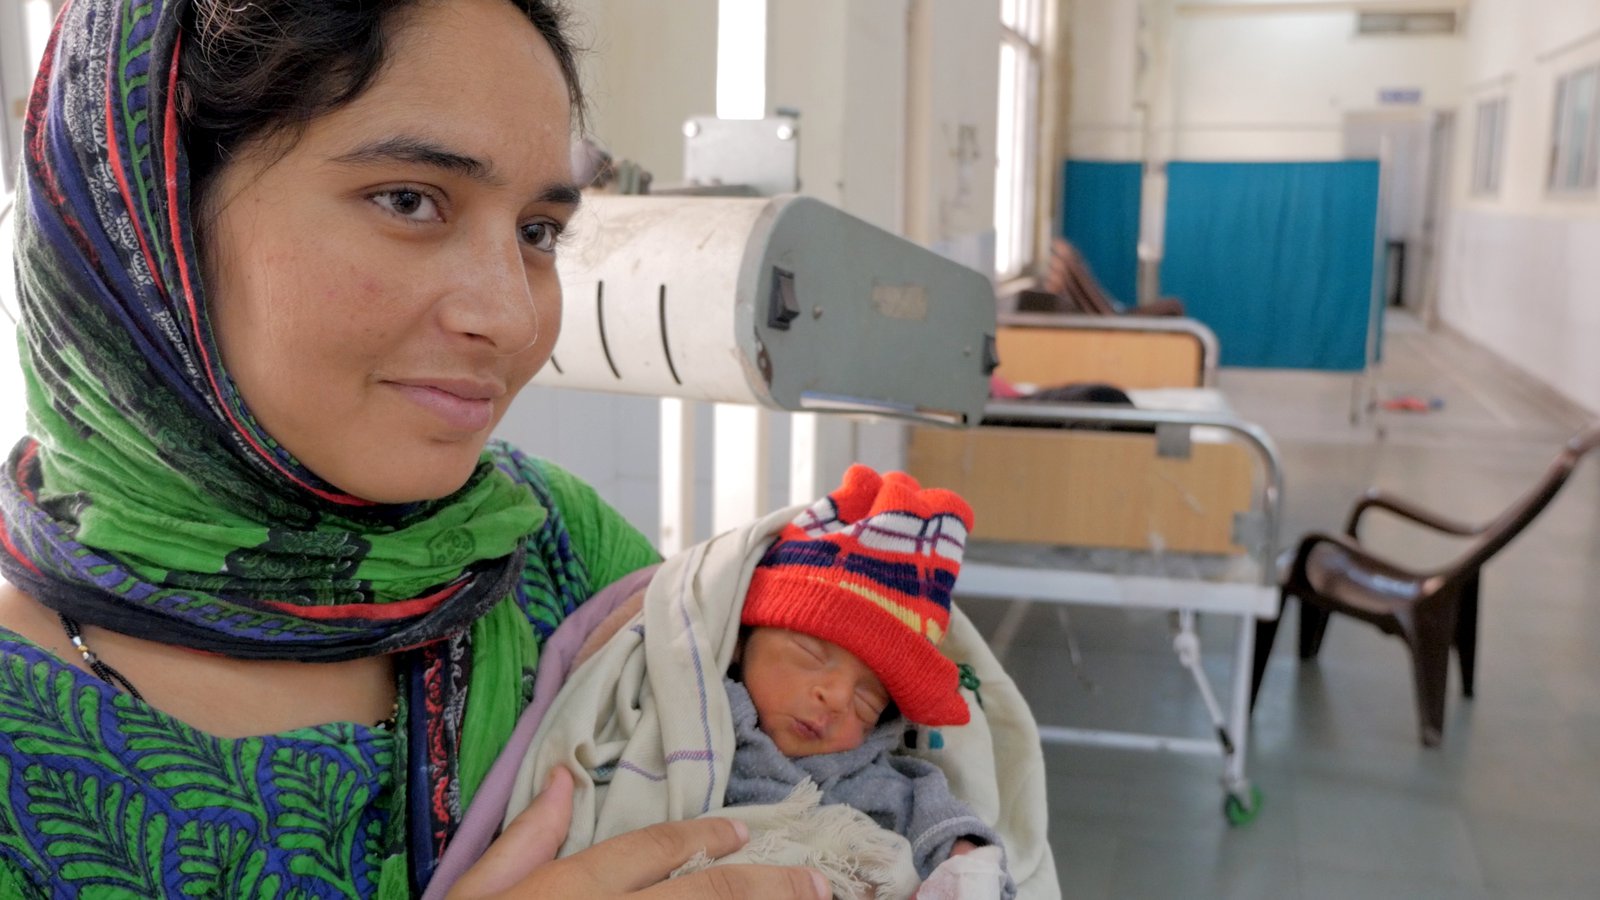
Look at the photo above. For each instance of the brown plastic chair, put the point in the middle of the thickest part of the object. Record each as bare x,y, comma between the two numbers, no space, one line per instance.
1069,287
1429,610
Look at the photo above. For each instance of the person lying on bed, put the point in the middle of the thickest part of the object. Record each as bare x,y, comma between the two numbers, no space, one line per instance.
824,684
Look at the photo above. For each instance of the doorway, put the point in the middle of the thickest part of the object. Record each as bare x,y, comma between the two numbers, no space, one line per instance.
1441,164
1403,143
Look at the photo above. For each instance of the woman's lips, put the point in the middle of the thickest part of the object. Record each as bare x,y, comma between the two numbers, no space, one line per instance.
469,414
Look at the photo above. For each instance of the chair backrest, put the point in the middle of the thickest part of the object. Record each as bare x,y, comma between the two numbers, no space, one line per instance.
1068,278
1069,287
1510,523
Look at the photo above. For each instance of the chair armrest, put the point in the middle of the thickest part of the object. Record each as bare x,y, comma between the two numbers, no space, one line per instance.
1310,540
1407,510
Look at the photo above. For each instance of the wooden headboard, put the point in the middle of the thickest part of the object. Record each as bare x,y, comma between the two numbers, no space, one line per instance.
1089,488
1085,487
1129,359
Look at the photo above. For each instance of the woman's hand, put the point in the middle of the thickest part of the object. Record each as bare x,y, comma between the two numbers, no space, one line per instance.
522,863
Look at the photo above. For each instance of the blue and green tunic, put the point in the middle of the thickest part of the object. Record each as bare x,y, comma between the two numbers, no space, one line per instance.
102,795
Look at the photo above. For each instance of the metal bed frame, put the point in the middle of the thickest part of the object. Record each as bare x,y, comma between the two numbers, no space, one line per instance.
1184,597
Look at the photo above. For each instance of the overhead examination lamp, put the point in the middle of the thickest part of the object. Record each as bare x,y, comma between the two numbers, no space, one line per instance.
784,302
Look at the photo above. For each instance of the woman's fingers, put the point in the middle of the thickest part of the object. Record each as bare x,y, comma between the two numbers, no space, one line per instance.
532,839
519,863
642,858
638,859
730,882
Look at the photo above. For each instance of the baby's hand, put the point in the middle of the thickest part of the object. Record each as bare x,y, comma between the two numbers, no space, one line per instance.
978,873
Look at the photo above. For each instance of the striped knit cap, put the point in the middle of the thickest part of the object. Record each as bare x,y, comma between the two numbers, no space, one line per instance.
870,567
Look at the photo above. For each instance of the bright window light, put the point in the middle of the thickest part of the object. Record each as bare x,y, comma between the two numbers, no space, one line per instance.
37,17
1575,153
1016,184
11,391
741,59
1489,146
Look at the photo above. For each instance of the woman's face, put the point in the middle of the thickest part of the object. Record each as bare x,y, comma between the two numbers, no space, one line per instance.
381,291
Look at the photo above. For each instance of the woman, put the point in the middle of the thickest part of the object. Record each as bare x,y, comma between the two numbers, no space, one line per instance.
273,606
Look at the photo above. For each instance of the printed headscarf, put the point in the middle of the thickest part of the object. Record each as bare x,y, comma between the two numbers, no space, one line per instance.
148,501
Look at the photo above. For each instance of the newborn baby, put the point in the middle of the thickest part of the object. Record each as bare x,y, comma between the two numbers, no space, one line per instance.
839,651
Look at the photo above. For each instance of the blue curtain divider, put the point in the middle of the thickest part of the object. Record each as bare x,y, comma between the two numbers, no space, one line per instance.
1277,258
1100,216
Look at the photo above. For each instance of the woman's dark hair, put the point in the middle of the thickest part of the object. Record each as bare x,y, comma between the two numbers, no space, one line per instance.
257,68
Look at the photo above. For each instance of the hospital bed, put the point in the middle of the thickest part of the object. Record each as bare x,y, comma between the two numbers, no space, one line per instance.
1171,504
785,303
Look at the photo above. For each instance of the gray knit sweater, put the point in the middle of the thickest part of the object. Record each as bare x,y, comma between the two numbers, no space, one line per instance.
906,795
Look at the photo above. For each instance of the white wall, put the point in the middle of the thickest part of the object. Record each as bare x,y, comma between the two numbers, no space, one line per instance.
1102,55
1278,85
1238,81
954,85
1521,271
650,66
842,64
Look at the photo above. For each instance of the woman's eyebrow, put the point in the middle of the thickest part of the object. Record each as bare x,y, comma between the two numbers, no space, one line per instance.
411,149
425,152
564,194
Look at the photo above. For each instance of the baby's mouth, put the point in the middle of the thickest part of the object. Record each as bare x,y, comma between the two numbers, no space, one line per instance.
808,730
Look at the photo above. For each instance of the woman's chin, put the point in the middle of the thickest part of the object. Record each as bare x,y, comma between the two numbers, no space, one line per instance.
430,476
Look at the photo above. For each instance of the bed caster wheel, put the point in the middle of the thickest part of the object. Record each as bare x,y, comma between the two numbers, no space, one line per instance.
1241,811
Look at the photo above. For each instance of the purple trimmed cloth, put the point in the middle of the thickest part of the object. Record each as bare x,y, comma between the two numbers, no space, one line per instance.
481,824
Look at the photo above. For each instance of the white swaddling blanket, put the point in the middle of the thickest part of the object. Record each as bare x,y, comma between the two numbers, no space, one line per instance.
644,724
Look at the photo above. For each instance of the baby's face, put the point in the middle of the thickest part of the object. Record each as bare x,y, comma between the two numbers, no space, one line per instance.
811,696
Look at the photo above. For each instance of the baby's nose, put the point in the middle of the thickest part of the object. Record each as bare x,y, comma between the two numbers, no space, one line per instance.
833,695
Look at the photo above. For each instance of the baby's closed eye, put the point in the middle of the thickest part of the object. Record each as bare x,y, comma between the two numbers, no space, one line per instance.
869,707
811,647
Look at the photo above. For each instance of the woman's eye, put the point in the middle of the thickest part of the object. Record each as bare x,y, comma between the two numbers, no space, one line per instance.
408,203
542,236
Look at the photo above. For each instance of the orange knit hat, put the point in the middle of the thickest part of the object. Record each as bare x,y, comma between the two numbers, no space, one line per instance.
870,567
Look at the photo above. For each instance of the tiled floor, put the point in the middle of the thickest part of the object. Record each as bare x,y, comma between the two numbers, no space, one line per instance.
1508,806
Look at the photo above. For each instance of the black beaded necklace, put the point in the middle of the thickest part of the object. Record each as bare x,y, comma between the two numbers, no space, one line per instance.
117,679
96,665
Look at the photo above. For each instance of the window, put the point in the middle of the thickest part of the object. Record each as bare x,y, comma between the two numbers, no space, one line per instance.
1407,23
24,31
1575,146
1489,146
12,392
1016,186
20,51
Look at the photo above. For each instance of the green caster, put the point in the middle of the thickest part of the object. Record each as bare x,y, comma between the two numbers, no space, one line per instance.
1241,812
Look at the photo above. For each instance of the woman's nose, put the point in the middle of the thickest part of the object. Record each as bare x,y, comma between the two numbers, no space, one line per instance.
492,298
